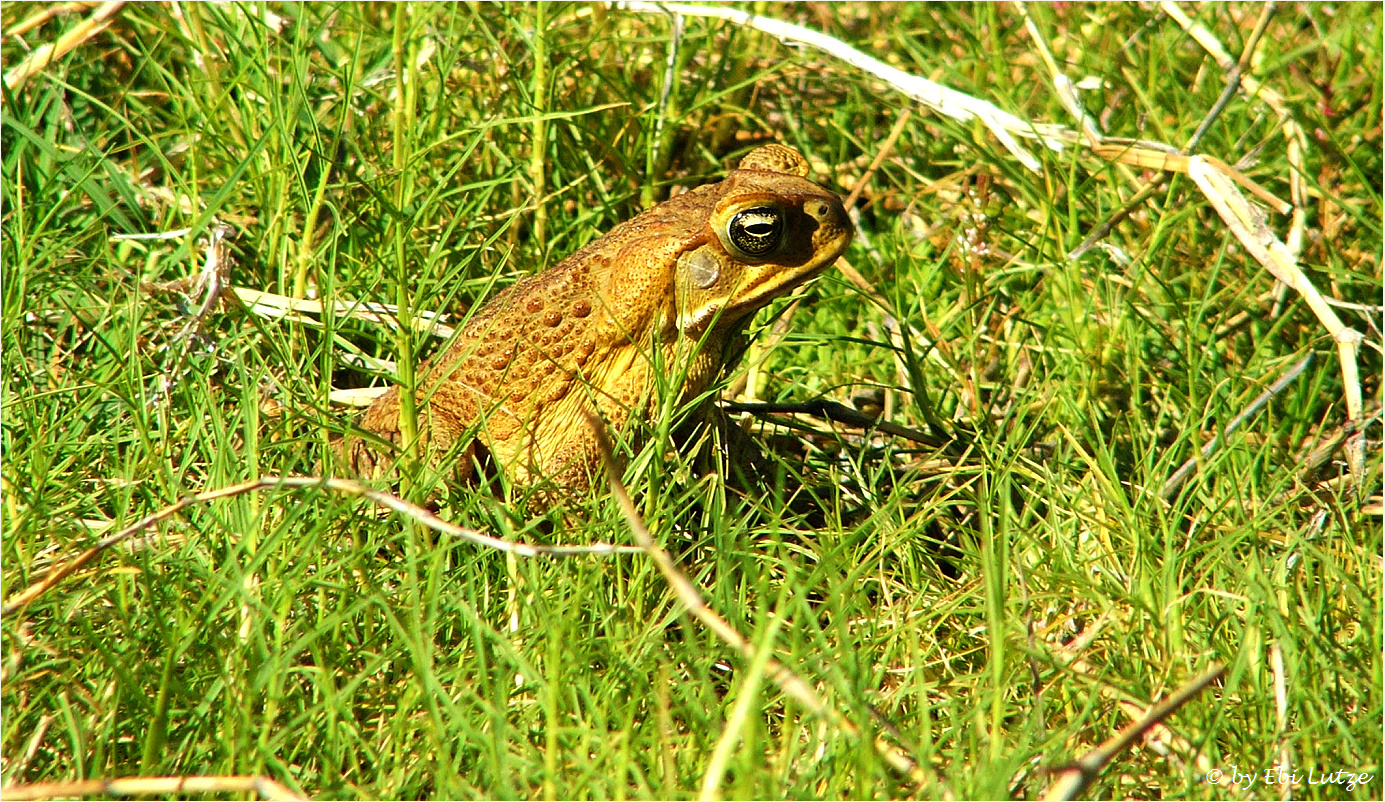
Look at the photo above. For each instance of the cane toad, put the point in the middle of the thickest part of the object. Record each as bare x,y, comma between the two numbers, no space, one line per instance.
655,306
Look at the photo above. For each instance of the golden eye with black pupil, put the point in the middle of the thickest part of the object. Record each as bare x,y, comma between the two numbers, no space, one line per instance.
757,230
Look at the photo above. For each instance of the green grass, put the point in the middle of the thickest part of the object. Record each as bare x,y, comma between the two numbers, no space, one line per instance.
1006,602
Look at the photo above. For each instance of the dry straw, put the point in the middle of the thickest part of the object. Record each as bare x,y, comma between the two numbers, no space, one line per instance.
1219,182
1223,186
263,787
39,59
341,486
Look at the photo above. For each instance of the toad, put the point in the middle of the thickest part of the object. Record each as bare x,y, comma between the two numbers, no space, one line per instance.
657,306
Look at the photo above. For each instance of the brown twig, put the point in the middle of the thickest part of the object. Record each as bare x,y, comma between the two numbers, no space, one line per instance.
1186,469
1103,230
264,787
687,593
1075,778
840,413
343,486
41,57
1233,79
886,148
48,13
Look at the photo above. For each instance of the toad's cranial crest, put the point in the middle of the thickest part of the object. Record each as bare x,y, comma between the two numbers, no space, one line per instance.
660,301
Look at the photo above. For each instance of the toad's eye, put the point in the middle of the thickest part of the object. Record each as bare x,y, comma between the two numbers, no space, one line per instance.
756,231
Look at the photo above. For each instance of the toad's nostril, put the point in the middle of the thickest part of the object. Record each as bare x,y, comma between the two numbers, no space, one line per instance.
821,211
